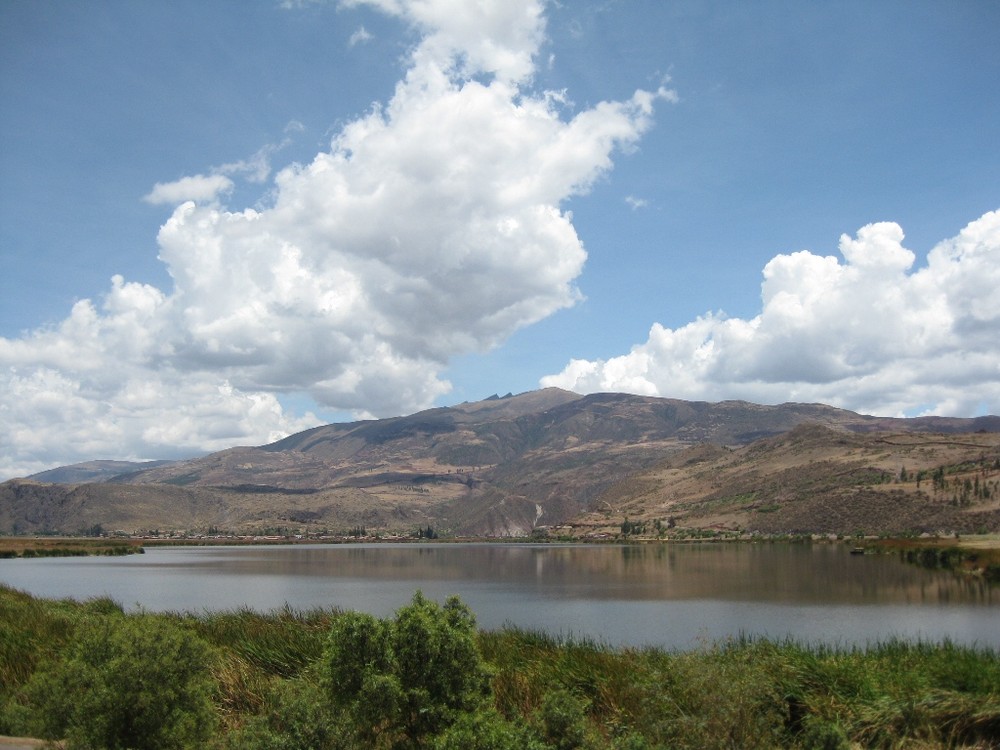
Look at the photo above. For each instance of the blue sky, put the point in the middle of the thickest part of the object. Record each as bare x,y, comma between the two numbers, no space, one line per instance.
221,222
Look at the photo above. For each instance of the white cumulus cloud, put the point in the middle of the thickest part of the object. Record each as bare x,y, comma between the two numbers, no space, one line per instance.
486,36
864,331
431,227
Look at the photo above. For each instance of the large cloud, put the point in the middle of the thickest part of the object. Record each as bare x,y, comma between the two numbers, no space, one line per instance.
432,227
866,332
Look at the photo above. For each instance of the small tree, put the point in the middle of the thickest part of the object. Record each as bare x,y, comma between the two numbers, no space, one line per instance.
632,527
403,680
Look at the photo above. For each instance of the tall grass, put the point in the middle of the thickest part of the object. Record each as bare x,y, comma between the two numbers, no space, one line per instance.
756,693
739,693
258,651
281,643
32,630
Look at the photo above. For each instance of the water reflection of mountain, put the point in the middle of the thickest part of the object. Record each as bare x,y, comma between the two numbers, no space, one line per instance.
794,574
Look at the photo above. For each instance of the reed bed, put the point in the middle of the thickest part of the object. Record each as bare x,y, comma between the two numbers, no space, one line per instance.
551,692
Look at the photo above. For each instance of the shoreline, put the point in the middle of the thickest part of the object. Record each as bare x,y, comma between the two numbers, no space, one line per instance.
976,555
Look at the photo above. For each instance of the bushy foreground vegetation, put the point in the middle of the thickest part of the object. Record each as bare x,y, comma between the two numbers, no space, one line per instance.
100,678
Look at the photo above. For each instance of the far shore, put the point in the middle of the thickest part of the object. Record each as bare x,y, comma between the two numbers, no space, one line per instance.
974,556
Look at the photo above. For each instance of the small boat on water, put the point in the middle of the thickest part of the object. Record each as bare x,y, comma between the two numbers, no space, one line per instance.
857,550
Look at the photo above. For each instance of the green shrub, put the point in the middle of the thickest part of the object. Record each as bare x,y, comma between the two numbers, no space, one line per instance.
486,730
406,679
126,682
359,644
298,717
564,718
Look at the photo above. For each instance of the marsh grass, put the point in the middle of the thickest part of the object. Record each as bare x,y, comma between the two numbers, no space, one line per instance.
28,547
744,692
32,630
258,652
281,643
756,693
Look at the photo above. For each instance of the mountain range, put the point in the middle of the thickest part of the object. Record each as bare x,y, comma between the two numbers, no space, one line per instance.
551,462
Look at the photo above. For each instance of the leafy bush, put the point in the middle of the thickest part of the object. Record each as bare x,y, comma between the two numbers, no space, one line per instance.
486,730
126,682
298,717
405,679
564,718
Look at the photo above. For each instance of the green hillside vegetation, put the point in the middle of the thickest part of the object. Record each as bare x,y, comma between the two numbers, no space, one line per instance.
98,677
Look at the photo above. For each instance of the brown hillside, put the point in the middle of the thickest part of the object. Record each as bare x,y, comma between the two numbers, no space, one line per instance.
817,480
549,458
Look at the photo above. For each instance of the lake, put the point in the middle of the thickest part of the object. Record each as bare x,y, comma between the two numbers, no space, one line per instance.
671,595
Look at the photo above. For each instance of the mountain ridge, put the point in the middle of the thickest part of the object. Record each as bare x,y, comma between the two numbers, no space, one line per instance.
509,466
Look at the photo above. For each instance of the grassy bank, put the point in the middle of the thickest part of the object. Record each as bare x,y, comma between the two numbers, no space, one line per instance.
17,546
428,678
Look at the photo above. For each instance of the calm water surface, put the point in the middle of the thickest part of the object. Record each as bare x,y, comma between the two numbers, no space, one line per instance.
670,595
